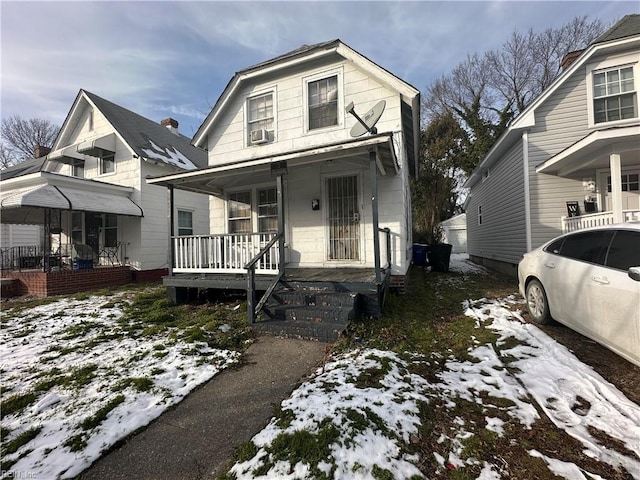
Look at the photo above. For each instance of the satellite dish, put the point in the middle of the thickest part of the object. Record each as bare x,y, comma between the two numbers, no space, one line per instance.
366,124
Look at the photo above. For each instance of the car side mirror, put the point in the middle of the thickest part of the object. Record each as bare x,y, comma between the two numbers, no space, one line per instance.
634,273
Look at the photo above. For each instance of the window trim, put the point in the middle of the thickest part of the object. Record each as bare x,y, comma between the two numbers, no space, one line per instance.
611,63
253,95
479,214
338,73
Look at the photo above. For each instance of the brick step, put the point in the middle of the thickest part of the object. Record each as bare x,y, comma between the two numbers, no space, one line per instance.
324,299
325,332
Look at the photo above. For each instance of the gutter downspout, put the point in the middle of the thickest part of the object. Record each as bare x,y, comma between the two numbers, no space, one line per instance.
527,192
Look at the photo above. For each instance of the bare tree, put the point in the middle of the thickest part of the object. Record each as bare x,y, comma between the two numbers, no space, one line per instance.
20,138
486,92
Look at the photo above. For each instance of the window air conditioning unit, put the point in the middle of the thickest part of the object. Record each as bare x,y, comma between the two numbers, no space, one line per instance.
259,136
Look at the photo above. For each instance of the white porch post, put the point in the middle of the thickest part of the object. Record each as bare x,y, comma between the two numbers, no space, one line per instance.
616,187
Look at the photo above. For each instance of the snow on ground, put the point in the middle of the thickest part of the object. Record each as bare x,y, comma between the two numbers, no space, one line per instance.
575,397
364,404
94,382
572,394
460,263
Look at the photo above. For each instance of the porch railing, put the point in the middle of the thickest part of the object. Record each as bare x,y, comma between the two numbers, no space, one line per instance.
65,256
224,253
571,224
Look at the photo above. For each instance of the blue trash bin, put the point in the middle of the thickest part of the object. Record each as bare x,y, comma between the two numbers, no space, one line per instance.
419,254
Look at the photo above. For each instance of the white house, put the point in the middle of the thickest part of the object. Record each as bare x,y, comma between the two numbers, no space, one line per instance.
90,195
569,161
287,161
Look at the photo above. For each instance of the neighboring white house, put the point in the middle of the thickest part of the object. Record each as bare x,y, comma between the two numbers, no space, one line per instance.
454,232
286,120
90,189
570,160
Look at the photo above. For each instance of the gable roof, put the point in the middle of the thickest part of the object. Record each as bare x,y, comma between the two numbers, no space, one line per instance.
145,138
621,33
625,27
410,94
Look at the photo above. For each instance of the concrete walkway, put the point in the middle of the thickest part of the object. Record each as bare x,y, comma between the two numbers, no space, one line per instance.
196,439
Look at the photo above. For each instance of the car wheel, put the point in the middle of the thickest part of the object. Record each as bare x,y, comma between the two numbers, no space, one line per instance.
537,303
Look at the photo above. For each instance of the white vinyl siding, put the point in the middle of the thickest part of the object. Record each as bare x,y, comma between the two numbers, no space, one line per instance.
227,138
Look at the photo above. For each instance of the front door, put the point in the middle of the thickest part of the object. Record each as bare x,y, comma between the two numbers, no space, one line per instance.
343,218
630,190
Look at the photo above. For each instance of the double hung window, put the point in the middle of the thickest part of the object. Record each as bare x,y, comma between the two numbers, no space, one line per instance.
107,163
260,119
614,95
322,97
239,212
185,222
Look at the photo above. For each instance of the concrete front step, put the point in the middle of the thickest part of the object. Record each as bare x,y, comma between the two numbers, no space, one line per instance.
322,331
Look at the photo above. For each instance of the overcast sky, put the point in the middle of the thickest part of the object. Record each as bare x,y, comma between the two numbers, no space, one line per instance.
162,59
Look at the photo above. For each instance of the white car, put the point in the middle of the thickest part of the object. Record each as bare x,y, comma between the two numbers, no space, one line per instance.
588,280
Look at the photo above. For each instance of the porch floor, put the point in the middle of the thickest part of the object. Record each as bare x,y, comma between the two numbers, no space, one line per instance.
333,276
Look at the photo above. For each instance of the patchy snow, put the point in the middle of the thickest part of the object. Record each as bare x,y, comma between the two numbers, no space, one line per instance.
365,401
575,397
169,155
537,370
361,418
460,263
90,362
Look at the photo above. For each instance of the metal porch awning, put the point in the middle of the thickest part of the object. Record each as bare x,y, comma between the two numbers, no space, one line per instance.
212,180
97,146
69,198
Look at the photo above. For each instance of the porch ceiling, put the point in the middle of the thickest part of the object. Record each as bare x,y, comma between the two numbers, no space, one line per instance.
212,180
592,152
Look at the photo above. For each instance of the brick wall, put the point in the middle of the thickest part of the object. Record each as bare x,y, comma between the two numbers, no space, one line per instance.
41,284
149,275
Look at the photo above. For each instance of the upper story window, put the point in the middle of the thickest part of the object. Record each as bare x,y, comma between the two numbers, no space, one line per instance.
322,98
107,163
77,168
260,119
614,95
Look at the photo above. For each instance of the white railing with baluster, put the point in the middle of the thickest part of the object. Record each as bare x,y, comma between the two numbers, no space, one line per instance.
223,253
571,224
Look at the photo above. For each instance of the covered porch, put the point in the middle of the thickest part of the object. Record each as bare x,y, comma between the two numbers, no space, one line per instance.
80,247
607,162
289,256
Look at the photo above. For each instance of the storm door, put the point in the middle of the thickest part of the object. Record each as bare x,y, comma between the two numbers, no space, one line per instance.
343,218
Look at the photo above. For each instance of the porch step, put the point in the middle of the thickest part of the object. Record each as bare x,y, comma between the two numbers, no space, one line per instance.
316,298
323,331
318,314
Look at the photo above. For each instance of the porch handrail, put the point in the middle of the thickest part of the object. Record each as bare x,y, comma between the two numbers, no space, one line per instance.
252,309
571,224
223,253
